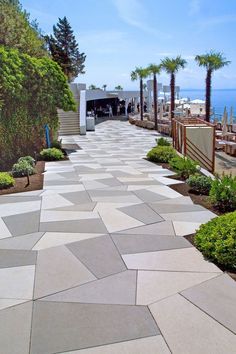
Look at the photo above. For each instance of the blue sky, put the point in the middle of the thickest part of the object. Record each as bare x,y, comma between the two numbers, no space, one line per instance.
118,35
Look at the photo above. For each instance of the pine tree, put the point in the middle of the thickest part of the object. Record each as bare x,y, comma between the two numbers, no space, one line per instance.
65,50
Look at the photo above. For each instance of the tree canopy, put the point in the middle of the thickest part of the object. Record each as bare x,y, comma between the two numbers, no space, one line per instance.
16,30
65,50
31,90
212,60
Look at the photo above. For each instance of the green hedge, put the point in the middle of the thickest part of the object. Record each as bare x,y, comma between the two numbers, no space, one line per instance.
51,154
200,184
184,166
161,154
6,180
223,193
217,240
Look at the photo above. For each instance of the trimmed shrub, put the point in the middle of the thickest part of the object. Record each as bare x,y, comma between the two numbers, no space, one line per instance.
161,154
52,154
200,184
29,159
22,169
163,142
184,166
217,240
223,193
6,180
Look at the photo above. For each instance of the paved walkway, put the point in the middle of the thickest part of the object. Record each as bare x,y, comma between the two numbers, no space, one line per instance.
101,253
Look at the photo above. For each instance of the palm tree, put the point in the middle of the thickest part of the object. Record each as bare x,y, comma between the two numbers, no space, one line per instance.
172,66
140,73
155,70
104,87
119,88
212,61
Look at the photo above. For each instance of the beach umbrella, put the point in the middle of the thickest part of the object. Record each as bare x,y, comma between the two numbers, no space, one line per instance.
224,122
197,101
231,119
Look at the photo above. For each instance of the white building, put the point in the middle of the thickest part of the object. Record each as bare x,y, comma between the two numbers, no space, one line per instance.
72,123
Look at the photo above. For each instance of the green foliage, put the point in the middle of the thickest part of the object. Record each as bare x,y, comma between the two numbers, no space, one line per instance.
57,144
200,184
64,49
163,142
17,32
29,159
31,90
139,73
223,193
22,169
173,65
6,180
212,60
51,154
161,154
217,240
184,166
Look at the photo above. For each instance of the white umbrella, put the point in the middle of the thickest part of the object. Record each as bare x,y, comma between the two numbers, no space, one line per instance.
197,101
231,119
224,122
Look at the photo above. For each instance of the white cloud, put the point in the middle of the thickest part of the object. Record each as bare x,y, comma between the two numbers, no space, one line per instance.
194,7
134,13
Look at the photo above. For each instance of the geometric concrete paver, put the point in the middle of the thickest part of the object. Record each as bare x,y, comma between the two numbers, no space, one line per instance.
15,325
143,243
99,255
216,297
64,326
53,239
17,282
15,258
58,269
155,285
25,242
188,330
185,259
21,224
98,248
114,289
149,345
142,213
160,228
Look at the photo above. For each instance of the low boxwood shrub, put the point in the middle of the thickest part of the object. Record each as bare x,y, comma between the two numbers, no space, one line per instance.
22,169
223,193
217,240
6,180
161,154
184,166
52,154
29,159
163,142
200,184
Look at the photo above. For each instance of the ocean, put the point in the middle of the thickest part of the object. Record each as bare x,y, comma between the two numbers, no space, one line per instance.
220,98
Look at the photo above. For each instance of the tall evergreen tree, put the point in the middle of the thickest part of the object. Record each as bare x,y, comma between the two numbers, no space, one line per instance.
65,50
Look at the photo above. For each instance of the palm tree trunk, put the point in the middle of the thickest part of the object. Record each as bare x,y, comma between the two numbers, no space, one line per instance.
141,98
208,95
155,99
172,94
